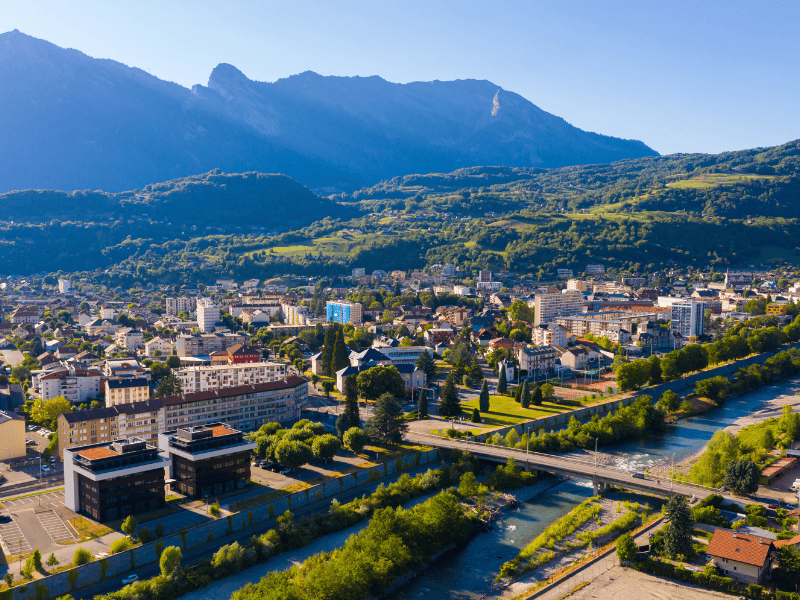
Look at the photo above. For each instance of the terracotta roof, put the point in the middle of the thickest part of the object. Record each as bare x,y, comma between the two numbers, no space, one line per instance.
292,381
790,542
96,453
740,547
221,431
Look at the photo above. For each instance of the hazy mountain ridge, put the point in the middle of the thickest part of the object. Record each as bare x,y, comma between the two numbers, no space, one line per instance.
70,122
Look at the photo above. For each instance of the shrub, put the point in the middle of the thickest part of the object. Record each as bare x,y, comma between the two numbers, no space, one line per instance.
145,535
120,545
626,548
159,530
81,557
129,525
214,510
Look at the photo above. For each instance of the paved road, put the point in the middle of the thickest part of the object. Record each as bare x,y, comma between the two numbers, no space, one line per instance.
566,465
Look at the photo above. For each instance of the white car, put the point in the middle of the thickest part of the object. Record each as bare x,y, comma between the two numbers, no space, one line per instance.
45,469
130,579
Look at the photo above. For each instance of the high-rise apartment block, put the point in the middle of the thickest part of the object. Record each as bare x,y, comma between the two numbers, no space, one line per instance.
686,318
207,314
549,306
344,312
179,305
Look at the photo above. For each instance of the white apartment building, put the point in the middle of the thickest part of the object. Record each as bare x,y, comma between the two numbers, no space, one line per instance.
686,318
208,314
579,285
296,315
71,380
549,306
538,362
176,306
158,344
550,334
204,378
64,286
128,338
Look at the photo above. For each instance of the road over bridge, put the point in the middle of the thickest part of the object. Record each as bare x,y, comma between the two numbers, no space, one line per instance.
600,476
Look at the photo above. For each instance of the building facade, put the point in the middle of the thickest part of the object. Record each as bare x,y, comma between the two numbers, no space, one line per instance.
549,306
176,306
207,460
686,318
208,314
205,344
127,390
538,362
112,480
246,407
204,378
344,312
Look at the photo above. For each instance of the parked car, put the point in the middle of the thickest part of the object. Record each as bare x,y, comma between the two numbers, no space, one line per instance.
52,460
268,466
5,519
130,579
45,469
101,555
773,506
286,471
276,468
639,475
33,427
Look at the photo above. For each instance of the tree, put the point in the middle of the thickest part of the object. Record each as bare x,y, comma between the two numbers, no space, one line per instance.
342,424
670,401
520,311
655,370
476,416
9,578
169,385
174,362
525,396
425,364
327,387
742,476
387,423
355,439
502,384
340,358
422,404
537,397
449,404
170,560
788,571
37,560
81,557
52,561
790,423
548,391
48,411
145,535
626,548
379,380
326,446
326,355
129,525
351,401
678,537
292,453
483,399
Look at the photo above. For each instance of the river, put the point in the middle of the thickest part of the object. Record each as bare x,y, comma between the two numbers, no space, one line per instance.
468,574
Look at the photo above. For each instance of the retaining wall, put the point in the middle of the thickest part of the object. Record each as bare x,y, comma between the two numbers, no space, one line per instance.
260,518
561,420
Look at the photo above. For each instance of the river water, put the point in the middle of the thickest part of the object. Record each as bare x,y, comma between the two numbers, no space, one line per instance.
468,574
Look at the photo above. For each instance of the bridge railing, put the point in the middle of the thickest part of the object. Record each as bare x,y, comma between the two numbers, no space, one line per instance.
552,457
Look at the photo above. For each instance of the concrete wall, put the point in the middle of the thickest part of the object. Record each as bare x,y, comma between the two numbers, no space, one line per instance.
257,519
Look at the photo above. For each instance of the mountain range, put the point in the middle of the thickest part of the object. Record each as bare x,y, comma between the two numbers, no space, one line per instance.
72,122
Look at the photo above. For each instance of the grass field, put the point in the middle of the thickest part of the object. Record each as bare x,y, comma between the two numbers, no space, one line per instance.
504,411
716,179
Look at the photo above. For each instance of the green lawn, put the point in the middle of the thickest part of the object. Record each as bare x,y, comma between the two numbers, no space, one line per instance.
504,411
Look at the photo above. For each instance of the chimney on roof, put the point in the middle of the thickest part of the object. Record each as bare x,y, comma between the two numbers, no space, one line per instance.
734,535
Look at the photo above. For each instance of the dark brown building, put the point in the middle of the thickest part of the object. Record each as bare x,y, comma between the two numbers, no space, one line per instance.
111,480
207,460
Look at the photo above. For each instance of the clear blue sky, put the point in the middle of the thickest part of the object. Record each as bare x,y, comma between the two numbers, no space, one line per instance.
682,76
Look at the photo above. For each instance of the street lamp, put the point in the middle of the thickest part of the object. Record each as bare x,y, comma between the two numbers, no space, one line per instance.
528,445
595,455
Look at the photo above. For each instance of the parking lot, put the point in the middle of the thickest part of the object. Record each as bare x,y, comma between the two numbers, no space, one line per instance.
40,521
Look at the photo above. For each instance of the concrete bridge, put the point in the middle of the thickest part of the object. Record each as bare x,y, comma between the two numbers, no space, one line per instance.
600,476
